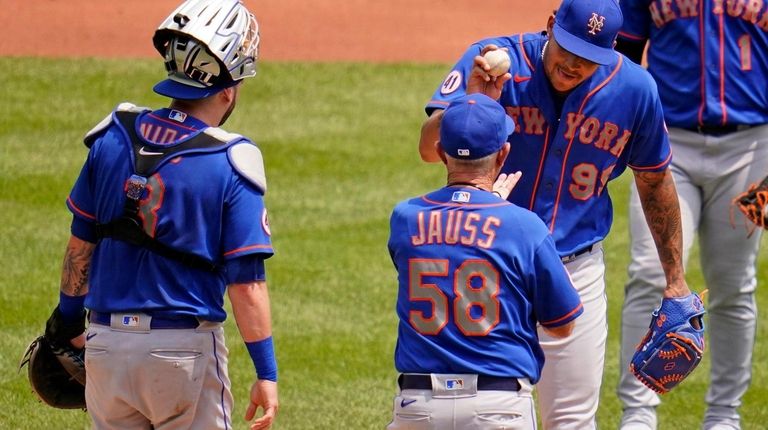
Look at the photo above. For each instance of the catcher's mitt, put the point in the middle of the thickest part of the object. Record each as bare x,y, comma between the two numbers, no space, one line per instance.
673,346
55,369
752,203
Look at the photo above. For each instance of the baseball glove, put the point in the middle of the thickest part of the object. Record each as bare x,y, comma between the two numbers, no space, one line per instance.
673,346
752,203
55,369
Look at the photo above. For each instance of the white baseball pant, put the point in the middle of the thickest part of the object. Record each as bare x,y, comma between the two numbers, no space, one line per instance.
569,389
709,172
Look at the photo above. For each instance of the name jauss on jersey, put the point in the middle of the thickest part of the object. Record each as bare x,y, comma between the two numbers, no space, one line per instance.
662,11
455,227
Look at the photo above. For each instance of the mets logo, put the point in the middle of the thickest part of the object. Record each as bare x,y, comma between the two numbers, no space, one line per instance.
595,23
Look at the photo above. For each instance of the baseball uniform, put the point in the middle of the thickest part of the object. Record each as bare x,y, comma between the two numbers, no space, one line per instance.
155,344
475,274
716,107
568,149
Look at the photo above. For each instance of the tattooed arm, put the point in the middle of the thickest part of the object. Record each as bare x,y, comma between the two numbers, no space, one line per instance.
77,263
662,213
74,279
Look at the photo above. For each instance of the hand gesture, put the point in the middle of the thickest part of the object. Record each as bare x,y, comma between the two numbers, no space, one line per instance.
506,183
264,395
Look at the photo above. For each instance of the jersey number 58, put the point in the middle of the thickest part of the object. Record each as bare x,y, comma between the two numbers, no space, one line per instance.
475,306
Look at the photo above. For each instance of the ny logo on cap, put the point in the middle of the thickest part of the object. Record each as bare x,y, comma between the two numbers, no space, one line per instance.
595,23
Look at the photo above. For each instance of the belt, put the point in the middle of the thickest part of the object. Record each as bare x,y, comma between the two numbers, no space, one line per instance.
719,130
179,322
582,251
484,383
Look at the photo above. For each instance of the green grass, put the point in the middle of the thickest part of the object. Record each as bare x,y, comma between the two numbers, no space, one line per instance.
340,144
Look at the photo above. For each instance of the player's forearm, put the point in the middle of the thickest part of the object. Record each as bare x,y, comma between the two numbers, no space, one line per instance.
250,306
561,331
430,133
662,213
75,268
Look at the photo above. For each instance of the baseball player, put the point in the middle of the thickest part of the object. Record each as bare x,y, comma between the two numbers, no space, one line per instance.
476,274
168,216
716,107
584,113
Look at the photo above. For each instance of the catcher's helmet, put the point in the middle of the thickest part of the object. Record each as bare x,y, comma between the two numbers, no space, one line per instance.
208,45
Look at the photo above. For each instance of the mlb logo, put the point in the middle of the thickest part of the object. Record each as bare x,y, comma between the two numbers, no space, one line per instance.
130,320
461,197
454,384
177,116
463,152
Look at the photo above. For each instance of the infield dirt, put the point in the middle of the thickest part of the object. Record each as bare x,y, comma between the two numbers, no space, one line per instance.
291,30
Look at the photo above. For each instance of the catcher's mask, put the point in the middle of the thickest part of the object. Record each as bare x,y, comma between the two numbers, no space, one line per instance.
48,378
208,45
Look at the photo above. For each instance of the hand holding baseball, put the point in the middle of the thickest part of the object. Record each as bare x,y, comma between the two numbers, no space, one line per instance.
498,61
490,72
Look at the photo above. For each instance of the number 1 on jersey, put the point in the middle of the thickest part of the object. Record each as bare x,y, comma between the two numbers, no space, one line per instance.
745,48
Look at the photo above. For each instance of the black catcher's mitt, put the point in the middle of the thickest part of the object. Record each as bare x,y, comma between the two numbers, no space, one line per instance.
673,346
55,369
752,203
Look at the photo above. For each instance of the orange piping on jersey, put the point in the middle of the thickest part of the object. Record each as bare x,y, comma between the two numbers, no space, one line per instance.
174,123
525,56
703,90
78,210
541,168
570,142
722,71
566,316
632,36
439,102
247,248
465,205
669,157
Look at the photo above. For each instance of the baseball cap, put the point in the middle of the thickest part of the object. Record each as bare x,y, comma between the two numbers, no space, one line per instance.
474,126
588,28
182,89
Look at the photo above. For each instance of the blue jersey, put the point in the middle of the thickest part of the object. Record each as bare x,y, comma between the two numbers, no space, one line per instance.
196,203
568,150
709,58
475,274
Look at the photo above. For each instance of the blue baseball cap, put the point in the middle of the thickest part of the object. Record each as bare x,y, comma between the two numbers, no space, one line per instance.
474,126
188,90
588,28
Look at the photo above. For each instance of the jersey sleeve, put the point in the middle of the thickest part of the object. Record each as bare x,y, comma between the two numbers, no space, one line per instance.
637,20
455,83
80,200
246,225
649,149
556,301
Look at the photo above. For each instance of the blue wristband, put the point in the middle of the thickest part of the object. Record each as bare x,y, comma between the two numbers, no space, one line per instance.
71,308
263,356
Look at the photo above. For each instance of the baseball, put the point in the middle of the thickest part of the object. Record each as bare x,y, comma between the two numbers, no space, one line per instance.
498,60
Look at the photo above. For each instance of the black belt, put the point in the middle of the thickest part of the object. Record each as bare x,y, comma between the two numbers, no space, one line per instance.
484,383
719,130
180,322
570,257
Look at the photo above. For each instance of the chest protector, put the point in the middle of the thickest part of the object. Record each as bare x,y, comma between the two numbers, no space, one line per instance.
129,226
